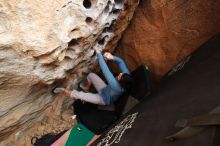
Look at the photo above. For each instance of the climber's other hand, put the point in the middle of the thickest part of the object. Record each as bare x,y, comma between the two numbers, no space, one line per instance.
97,49
108,56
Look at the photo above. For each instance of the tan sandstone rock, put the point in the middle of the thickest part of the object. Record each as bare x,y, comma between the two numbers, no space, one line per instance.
44,43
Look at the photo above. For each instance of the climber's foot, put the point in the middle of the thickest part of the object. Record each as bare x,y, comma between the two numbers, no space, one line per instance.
58,90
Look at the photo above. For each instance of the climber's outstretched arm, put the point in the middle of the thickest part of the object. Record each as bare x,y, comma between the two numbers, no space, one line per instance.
107,73
118,60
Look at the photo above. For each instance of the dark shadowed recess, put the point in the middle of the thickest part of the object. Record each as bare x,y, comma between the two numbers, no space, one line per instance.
87,4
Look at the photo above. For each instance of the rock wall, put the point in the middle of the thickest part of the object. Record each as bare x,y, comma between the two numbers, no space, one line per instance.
45,43
163,32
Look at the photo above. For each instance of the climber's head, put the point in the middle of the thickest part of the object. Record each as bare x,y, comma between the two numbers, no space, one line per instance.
125,81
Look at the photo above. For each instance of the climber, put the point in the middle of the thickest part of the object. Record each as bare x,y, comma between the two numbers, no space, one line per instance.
107,93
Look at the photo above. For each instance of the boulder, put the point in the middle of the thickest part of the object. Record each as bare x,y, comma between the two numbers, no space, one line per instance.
44,44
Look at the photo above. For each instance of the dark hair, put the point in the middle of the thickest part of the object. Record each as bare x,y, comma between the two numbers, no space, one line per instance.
126,82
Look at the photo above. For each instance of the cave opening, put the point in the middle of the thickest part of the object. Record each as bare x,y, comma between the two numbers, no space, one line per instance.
116,11
102,41
88,20
111,28
87,4
73,42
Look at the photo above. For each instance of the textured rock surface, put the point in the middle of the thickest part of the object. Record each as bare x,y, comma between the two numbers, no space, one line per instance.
163,32
43,43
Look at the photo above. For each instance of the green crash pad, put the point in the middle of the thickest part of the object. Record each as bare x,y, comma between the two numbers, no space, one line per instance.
79,136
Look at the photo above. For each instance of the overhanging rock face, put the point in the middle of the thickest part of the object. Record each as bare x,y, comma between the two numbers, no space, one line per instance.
45,41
